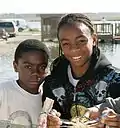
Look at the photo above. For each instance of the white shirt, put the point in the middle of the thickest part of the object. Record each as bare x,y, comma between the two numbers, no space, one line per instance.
19,105
71,79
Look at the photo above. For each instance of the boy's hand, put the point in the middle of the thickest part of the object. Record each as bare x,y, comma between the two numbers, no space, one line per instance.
50,120
53,120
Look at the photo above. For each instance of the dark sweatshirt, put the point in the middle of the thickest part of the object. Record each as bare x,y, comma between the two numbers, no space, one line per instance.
101,80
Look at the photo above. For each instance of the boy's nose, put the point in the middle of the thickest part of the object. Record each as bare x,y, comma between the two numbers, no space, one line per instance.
37,72
34,71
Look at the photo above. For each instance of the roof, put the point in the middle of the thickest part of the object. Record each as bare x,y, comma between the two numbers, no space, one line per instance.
51,15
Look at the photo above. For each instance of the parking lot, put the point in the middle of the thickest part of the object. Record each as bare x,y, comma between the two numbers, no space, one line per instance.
11,43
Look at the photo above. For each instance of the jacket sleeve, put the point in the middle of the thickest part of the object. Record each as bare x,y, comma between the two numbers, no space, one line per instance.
114,85
47,92
111,103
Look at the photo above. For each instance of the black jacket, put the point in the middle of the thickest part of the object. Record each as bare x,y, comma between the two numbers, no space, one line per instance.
100,81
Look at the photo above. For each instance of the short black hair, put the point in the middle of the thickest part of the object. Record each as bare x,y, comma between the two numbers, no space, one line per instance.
75,17
30,45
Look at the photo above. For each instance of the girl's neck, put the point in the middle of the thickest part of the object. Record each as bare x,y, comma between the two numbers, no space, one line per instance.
79,71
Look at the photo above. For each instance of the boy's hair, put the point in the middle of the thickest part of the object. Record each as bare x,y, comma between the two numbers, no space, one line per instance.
30,45
72,18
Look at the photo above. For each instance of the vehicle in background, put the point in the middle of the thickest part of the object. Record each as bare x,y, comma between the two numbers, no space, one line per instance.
20,23
9,27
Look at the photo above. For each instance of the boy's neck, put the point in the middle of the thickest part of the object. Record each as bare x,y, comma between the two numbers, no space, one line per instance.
26,89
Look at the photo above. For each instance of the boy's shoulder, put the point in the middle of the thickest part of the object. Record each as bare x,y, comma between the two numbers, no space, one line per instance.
5,88
7,84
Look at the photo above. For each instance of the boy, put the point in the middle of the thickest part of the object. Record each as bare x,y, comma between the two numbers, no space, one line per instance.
20,100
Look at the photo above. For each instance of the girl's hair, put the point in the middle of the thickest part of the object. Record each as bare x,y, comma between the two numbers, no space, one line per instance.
73,18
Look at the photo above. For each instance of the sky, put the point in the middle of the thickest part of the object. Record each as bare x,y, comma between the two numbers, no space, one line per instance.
59,6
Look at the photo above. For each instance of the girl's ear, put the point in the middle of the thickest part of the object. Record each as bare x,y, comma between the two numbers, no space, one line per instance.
95,39
15,66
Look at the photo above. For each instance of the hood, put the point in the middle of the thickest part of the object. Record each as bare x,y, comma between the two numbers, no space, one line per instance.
59,65
101,61
98,62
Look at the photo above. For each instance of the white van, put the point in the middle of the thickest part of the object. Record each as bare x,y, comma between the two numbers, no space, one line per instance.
20,23
9,27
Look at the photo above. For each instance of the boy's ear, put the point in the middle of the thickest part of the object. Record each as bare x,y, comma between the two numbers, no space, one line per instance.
15,66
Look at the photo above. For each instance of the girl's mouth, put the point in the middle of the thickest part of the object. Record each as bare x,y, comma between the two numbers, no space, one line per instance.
76,58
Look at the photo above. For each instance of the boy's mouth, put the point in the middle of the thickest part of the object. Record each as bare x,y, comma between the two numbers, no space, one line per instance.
34,82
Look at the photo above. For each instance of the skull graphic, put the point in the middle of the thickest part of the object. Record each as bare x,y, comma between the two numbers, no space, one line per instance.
101,90
59,94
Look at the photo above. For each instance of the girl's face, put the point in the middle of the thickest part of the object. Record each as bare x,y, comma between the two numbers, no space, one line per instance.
77,43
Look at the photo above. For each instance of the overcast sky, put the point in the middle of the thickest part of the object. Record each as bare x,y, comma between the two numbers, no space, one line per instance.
58,6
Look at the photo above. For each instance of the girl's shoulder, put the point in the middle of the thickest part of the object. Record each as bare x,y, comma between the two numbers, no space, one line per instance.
58,64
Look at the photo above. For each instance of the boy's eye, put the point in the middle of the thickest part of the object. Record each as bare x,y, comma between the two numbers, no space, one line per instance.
42,68
28,66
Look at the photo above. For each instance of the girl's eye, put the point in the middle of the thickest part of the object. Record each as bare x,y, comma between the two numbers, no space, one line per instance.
82,41
65,44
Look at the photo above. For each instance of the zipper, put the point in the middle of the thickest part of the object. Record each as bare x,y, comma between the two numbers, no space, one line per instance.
74,99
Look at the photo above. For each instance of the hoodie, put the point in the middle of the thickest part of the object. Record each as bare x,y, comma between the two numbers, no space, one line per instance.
100,81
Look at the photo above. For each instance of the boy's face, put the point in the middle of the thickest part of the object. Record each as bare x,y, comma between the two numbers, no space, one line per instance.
31,69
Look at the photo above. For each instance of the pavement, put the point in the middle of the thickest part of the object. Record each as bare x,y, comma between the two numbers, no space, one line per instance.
10,45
